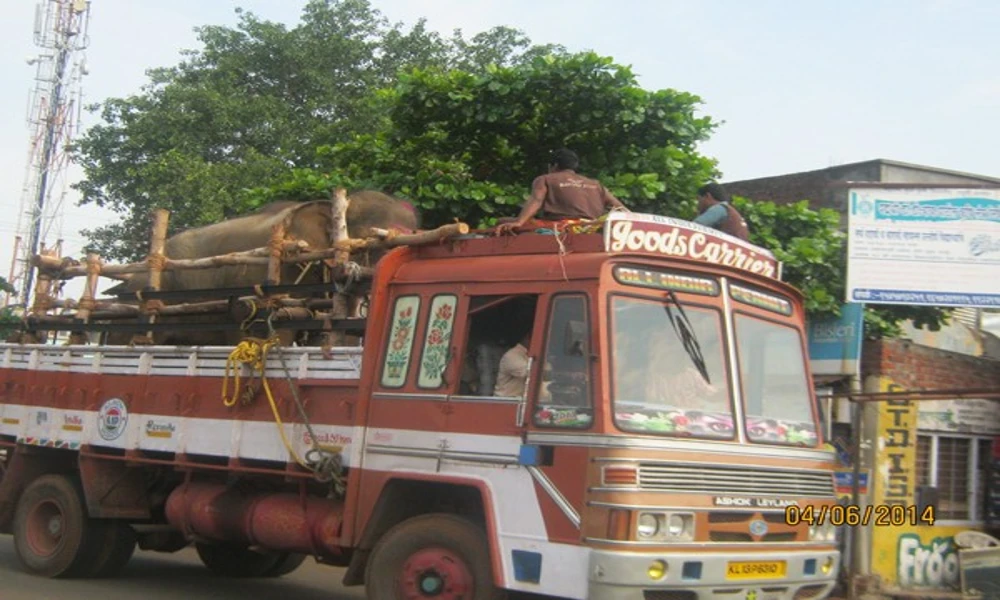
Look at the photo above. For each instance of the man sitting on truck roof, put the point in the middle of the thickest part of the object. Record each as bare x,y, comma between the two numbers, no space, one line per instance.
714,210
563,194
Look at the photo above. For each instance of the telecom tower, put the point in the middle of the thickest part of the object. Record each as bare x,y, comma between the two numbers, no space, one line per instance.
54,118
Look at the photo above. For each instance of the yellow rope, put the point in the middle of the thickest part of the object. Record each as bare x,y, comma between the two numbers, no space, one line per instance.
253,351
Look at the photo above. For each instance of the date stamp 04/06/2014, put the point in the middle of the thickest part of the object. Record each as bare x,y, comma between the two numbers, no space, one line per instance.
879,515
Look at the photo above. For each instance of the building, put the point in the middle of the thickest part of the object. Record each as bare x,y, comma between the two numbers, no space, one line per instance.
941,452
825,188
972,331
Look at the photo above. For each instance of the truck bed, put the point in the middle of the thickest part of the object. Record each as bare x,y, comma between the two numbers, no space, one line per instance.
166,401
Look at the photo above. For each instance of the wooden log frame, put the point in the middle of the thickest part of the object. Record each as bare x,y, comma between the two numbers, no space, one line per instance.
297,251
279,251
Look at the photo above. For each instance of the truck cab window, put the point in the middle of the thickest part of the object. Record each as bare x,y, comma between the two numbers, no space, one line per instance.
496,328
564,398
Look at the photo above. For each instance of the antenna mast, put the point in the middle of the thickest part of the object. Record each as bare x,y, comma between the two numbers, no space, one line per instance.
61,28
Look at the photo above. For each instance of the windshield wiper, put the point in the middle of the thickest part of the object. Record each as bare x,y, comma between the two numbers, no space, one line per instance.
685,331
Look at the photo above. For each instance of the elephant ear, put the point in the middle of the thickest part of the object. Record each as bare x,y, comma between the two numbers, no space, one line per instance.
312,222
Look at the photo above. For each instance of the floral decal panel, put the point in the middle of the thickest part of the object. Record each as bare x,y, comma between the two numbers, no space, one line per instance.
397,359
434,358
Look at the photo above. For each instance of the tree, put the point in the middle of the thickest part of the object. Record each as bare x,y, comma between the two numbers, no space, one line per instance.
8,318
252,102
467,145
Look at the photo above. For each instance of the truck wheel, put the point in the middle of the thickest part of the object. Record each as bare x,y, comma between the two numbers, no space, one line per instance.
286,564
234,560
53,536
440,556
116,549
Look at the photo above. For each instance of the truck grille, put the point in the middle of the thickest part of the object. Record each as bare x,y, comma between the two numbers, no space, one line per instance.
756,481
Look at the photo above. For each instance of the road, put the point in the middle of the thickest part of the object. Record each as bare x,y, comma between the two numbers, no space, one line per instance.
158,576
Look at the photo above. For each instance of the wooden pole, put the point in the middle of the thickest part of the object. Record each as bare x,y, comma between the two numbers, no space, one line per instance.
42,301
276,249
87,303
67,268
338,236
155,260
156,257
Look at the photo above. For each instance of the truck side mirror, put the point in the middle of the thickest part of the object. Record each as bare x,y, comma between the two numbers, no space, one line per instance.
575,338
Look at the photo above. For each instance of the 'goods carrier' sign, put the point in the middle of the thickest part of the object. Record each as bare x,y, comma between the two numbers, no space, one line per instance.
663,236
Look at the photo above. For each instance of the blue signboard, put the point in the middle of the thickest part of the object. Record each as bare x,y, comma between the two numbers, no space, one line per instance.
835,344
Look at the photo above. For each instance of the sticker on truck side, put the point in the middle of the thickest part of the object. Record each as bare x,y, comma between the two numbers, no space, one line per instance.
111,419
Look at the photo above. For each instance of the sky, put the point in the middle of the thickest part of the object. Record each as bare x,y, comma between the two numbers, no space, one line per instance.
796,86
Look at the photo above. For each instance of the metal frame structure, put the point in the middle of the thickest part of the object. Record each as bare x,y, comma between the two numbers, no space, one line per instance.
61,28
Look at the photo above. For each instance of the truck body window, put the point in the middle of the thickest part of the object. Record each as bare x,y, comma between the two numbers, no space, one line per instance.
400,343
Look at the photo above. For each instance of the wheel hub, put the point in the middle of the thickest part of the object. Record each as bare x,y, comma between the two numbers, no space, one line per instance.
435,573
55,526
45,528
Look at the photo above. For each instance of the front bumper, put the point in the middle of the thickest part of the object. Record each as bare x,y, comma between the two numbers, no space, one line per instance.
624,576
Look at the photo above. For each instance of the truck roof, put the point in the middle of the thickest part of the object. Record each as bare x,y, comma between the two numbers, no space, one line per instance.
546,255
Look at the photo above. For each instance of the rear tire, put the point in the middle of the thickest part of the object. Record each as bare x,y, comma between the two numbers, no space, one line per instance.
232,560
53,536
434,556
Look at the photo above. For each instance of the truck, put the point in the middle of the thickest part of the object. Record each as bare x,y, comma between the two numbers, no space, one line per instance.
623,412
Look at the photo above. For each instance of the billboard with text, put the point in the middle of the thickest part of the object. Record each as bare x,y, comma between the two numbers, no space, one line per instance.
924,246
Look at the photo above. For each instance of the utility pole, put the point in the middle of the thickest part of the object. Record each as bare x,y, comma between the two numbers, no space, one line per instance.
54,115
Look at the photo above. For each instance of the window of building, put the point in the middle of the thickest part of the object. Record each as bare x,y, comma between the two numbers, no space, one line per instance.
956,466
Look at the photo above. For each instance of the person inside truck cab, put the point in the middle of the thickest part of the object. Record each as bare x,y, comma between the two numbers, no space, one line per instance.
514,369
715,211
563,194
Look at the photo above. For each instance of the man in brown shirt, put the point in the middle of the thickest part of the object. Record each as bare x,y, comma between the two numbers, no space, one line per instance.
563,194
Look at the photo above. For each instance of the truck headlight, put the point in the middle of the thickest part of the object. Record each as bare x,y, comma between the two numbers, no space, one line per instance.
826,532
668,527
680,526
648,525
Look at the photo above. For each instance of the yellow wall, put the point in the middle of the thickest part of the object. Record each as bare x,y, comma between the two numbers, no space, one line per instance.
906,555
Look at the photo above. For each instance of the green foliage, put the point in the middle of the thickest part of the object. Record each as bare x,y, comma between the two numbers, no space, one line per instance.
813,251
9,321
467,145
252,102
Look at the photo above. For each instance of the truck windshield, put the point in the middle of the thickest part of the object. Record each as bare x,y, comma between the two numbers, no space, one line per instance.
656,386
775,382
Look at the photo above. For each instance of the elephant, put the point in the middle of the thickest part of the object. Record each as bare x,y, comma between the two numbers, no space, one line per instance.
308,221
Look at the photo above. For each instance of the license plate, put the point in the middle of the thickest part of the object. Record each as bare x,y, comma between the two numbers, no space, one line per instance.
756,570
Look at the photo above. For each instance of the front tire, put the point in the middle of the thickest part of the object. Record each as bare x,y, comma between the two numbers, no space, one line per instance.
432,556
53,536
